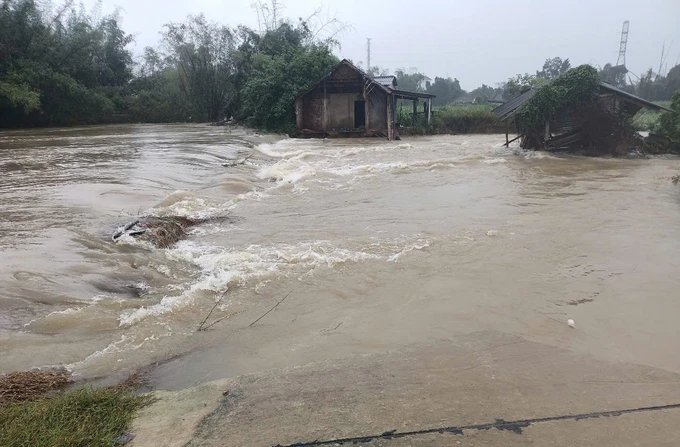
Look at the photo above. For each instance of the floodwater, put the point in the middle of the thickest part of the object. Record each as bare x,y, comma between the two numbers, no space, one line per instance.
377,244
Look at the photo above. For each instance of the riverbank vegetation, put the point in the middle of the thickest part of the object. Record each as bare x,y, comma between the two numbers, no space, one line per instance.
648,120
64,66
67,66
452,118
36,411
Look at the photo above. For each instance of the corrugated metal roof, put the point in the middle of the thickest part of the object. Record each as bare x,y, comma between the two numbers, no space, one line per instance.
630,97
510,108
387,81
411,95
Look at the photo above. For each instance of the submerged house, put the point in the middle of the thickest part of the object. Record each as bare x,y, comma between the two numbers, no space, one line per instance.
348,102
599,124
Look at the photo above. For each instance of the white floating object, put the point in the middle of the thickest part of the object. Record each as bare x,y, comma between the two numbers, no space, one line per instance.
571,323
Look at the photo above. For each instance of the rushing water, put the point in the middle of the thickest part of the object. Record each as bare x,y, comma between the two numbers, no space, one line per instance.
484,236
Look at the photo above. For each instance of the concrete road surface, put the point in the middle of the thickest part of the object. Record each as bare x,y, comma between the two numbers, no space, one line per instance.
481,389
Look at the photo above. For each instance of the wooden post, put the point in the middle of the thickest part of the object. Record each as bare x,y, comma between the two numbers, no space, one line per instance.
298,113
547,130
507,141
325,100
415,110
429,110
366,122
388,107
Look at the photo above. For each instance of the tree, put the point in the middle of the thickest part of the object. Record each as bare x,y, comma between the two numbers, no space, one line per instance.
446,89
649,87
554,67
655,87
672,81
202,51
514,86
283,68
412,81
669,122
484,93
614,75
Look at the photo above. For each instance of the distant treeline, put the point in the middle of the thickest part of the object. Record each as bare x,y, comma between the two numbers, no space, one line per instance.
650,85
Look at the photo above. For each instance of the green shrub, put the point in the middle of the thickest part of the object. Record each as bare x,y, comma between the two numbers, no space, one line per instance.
648,120
669,122
578,86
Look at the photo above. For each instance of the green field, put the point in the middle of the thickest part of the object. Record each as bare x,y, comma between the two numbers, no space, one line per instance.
453,118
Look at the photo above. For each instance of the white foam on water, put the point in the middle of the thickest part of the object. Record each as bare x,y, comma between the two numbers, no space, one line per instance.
223,268
419,244
493,161
287,171
536,154
126,343
289,148
186,204
295,170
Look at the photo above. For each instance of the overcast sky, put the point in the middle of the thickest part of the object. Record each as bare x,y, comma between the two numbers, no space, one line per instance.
476,41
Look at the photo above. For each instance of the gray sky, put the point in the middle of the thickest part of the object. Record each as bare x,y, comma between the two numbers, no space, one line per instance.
476,41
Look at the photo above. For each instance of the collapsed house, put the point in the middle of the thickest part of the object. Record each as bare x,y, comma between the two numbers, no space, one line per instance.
350,103
577,112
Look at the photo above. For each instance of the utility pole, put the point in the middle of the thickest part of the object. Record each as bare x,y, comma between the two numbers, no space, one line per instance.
368,55
624,43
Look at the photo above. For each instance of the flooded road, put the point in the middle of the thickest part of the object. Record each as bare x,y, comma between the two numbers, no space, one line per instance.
380,244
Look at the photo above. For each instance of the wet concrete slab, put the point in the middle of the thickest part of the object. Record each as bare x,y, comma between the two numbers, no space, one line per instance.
484,388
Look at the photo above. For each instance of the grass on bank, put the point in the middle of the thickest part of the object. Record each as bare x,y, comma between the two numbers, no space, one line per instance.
648,120
453,118
83,417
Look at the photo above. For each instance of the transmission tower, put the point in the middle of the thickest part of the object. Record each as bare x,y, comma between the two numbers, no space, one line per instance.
624,43
368,55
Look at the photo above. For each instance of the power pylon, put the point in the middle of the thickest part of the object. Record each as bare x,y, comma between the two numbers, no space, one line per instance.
624,43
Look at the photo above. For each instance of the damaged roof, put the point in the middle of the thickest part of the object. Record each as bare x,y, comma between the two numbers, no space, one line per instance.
631,98
513,106
510,108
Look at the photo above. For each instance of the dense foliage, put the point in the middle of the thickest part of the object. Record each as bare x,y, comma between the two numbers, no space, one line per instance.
280,71
65,66
577,86
669,122
55,68
654,87
553,68
446,89
452,118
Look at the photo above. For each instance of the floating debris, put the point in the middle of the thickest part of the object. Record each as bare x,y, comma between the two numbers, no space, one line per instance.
162,232
31,385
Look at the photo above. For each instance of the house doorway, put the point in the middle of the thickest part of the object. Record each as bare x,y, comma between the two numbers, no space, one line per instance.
359,114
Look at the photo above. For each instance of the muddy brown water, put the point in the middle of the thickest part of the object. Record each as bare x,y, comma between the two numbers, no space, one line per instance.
382,244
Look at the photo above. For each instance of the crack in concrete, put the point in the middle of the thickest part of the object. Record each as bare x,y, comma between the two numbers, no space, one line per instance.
500,424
